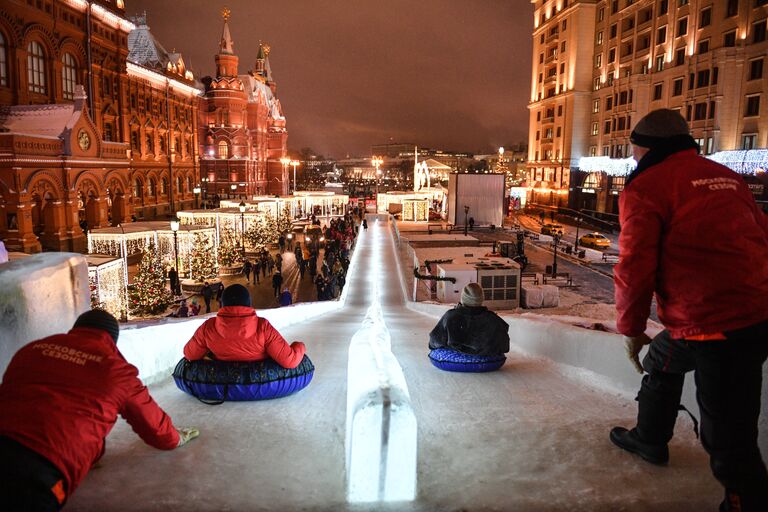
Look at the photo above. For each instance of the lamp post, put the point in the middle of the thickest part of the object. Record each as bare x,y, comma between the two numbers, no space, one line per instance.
242,228
466,217
377,161
205,192
555,241
175,229
294,164
124,253
196,191
578,225
285,161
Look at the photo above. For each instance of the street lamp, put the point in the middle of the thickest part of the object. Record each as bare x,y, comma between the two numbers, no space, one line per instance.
242,227
466,217
377,161
285,161
294,163
205,192
578,225
555,241
124,253
175,229
196,191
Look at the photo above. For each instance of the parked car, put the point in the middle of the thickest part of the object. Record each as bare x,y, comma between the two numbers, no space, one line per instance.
595,240
552,229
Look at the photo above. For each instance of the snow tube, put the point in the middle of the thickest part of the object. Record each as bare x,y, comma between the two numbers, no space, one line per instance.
455,361
214,382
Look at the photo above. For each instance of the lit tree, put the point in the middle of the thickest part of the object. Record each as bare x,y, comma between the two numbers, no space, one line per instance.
229,249
203,264
283,223
148,294
258,235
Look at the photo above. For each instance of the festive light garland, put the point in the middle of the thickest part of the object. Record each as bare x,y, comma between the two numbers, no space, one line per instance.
432,278
608,165
108,287
748,161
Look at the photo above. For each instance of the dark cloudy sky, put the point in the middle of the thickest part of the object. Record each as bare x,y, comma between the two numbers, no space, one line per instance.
448,74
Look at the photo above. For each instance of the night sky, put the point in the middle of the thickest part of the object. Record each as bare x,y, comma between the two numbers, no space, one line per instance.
447,74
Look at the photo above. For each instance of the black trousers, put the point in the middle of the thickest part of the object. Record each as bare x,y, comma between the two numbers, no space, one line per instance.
26,479
728,375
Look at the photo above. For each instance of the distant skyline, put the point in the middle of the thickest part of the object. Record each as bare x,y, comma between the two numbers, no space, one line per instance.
451,75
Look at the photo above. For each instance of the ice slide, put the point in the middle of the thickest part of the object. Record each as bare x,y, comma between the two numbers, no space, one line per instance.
532,436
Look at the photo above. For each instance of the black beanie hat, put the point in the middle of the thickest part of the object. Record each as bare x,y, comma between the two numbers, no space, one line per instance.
99,319
659,126
236,295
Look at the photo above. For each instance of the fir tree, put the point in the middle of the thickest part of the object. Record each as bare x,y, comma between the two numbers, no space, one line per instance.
203,264
284,223
230,254
258,236
148,294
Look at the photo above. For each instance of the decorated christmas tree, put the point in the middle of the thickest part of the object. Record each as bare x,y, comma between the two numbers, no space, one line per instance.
270,226
230,254
203,264
283,222
259,235
149,295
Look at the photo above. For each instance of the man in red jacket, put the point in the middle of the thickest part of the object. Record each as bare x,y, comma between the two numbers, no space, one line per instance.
59,398
692,234
236,333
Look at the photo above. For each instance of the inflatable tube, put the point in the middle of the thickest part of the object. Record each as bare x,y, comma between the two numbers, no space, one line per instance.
221,381
454,361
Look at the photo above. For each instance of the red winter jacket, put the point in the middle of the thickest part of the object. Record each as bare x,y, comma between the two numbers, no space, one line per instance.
692,233
61,395
236,333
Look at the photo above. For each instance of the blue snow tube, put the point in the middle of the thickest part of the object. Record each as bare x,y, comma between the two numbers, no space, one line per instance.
214,382
455,361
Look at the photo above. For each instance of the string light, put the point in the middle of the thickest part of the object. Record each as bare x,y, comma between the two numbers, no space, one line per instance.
748,161
108,286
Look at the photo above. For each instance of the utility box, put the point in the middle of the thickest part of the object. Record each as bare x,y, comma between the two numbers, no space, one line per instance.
500,279
482,193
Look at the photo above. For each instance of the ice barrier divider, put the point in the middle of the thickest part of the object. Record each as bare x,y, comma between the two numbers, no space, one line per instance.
381,430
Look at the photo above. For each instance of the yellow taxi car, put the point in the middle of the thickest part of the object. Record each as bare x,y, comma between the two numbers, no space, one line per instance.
552,229
595,240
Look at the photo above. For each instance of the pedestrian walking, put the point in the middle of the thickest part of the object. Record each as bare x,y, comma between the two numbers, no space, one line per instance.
281,243
173,277
219,293
207,292
302,268
675,210
277,281
59,398
256,270
247,270
365,224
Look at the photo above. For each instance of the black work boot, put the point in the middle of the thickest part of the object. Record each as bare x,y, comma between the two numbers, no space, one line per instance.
628,440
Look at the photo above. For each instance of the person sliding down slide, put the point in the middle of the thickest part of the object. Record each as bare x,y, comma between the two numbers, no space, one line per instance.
236,333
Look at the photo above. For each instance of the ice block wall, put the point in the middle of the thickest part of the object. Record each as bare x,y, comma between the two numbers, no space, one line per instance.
39,296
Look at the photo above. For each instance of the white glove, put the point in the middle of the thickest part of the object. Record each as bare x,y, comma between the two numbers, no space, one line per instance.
633,345
186,434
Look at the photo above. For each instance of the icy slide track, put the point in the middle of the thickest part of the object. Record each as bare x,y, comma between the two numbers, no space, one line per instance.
532,436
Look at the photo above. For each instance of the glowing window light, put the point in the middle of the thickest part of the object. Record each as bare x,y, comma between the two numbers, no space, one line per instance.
611,166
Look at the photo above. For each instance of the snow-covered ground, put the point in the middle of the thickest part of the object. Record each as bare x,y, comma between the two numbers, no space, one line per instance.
533,436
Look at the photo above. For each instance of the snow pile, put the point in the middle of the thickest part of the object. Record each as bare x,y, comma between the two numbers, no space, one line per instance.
539,296
39,296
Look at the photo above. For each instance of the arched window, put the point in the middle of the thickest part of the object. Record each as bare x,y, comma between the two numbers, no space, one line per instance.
69,75
179,188
223,149
109,132
135,140
151,188
189,183
150,140
137,188
36,67
3,61
161,145
164,186
187,147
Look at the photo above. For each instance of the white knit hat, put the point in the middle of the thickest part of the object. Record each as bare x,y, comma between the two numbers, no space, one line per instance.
472,295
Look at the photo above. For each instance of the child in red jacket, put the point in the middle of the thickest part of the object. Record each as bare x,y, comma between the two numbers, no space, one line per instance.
236,333
59,399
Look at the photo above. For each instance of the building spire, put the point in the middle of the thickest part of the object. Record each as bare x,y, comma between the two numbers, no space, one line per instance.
226,46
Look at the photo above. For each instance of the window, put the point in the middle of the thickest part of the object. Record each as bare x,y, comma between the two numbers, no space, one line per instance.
663,7
661,35
541,39
598,60
705,18
106,87
562,68
109,132
753,106
538,135
657,91
599,38
699,111
596,106
614,30
660,63
609,103
161,146
702,78
541,77
223,149
682,27
601,14
756,69
538,115
612,55
558,131
36,67
68,75
134,140
703,46
714,75
681,3
137,188
680,57
595,128
607,128
541,58
150,142
592,150
677,87
548,133
151,187
710,143
758,31
596,83
614,6
562,47
749,141
623,98
559,110
732,9
163,186
564,25
711,114
691,80
688,113
729,39
3,62
499,287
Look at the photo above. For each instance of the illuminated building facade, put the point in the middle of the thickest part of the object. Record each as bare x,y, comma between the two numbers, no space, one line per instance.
601,65
242,127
